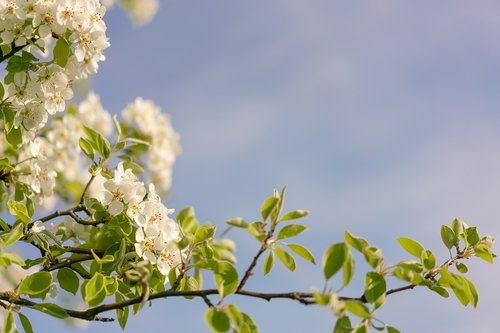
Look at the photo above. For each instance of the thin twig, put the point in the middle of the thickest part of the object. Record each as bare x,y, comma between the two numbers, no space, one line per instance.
85,190
263,248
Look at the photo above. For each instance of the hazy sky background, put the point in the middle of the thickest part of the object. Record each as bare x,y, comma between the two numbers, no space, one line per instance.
382,118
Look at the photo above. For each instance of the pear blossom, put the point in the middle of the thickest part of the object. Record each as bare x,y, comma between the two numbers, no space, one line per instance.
158,131
38,227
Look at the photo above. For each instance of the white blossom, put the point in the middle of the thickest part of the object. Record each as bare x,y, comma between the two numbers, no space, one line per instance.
164,141
38,227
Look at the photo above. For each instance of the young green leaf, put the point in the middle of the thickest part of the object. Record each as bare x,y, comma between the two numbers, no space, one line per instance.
296,214
25,322
237,222
303,252
290,230
343,325
51,309
391,329
62,51
10,324
358,243
285,258
218,321
448,236
269,262
412,247
462,268
348,269
19,210
68,280
472,236
121,314
428,259
375,286
226,278
333,259
86,148
36,284
358,309
95,292
11,236
268,206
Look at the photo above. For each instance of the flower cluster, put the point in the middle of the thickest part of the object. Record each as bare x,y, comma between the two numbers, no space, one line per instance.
159,133
57,152
38,89
157,233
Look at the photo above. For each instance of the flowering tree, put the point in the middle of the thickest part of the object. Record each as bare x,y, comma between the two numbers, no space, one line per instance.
84,188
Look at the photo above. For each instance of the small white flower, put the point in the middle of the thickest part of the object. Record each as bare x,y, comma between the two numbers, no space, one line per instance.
38,226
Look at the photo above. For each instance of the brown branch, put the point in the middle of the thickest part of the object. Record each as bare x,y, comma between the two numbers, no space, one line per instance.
71,212
67,263
86,189
263,248
91,314
15,49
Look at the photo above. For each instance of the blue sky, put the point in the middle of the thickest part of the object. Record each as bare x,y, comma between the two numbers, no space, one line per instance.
381,118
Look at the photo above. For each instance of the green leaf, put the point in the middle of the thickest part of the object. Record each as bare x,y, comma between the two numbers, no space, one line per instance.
428,259
358,243
348,269
343,325
218,321
375,287
11,236
19,210
95,291
303,252
358,309
98,141
189,283
440,290
36,284
204,233
187,219
14,137
462,268
373,255
296,214
10,324
268,206
472,236
268,263
237,222
51,309
25,322
457,226
484,252
62,52
7,258
68,280
285,258
248,325
257,229
2,91
391,329
86,148
226,278
290,230
448,236
333,259
412,247
121,314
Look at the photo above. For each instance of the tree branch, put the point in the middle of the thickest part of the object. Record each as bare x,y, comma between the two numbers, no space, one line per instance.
263,248
71,212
